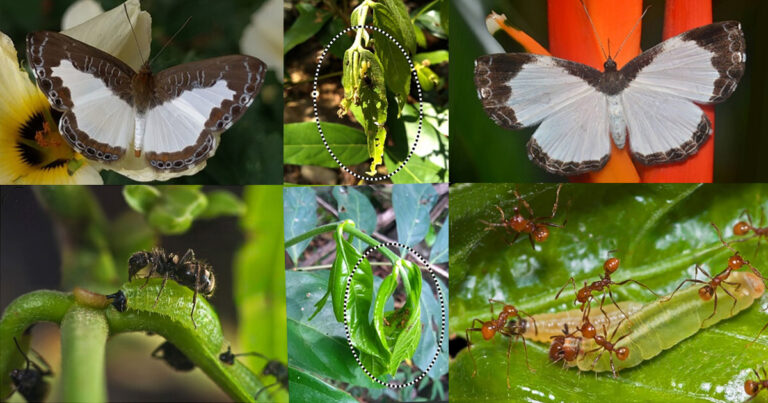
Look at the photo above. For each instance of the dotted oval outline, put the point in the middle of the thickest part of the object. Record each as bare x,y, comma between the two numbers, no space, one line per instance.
442,311
317,117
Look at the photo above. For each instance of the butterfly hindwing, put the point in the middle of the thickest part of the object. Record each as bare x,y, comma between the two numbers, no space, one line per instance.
193,102
87,85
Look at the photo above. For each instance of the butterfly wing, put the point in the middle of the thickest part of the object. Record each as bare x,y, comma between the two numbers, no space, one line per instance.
195,101
702,65
521,89
91,87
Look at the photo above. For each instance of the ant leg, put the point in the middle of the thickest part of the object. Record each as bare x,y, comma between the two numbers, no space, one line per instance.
162,287
151,271
613,368
525,349
509,351
610,294
256,397
533,243
641,284
525,203
557,198
503,219
535,328
669,297
189,255
570,280
715,310
730,295
469,342
758,335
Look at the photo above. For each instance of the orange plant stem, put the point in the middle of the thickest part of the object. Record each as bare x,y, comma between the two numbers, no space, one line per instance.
571,37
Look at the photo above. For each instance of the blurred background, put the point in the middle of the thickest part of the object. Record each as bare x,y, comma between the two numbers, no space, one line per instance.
46,243
251,150
484,152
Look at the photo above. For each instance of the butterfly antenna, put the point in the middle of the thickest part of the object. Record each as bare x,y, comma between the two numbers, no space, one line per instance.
135,38
633,30
168,42
599,41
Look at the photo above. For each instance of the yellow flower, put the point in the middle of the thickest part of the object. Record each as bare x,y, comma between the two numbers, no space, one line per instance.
31,148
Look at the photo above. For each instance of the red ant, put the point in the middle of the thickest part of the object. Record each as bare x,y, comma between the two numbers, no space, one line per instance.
753,387
499,325
622,353
565,347
584,294
533,226
744,228
709,290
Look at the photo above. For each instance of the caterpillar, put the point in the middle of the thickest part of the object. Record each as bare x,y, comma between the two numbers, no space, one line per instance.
660,325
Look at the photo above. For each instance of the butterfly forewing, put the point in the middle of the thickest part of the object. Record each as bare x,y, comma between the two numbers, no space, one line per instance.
652,98
194,101
91,87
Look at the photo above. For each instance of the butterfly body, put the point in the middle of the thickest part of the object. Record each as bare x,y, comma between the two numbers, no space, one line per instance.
173,117
650,104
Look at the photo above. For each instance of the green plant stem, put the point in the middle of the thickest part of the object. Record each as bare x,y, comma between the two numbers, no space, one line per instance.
21,313
84,334
348,229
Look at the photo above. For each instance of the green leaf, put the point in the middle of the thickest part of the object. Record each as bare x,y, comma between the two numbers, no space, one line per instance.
304,146
434,57
299,207
310,20
222,203
305,387
431,318
397,73
366,95
259,295
406,332
169,209
659,232
141,197
318,346
439,252
355,206
392,16
412,204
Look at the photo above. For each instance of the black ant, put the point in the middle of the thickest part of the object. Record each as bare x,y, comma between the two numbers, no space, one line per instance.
274,368
565,347
534,226
173,357
500,325
754,387
709,290
187,271
622,353
584,295
745,227
118,300
30,382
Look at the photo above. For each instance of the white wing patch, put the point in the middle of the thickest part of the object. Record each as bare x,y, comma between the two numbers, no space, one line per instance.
575,138
177,124
681,69
662,127
101,114
541,88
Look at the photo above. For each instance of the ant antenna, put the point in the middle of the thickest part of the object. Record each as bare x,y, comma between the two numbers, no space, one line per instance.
171,40
599,41
135,38
630,32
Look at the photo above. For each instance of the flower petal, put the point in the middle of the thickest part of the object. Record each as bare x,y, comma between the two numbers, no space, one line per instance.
263,38
80,12
111,33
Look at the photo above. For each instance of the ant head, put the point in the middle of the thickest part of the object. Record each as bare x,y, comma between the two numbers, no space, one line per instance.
751,387
741,228
138,261
488,330
541,233
510,310
706,292
611,265
227,357
622,353
588,330
735,261
583,295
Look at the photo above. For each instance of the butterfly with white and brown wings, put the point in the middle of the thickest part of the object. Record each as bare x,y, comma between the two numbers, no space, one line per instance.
108,108
652,97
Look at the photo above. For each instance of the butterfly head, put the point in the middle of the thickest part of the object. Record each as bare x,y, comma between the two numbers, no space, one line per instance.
609,65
